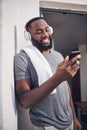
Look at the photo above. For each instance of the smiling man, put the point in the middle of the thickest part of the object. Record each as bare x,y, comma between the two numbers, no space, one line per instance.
41,75
41,36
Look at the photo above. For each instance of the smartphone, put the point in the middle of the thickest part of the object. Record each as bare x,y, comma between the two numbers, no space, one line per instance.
73,54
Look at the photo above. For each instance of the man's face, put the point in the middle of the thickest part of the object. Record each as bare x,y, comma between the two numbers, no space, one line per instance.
41,33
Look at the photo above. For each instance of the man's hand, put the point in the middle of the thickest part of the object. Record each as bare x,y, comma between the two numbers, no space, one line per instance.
68,68
77,125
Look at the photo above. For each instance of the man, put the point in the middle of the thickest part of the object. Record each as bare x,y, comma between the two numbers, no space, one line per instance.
41,76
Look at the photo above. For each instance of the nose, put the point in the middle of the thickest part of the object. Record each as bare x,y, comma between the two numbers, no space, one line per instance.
45,34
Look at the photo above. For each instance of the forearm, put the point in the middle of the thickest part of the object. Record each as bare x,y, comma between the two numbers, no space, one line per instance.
77,125
34,96
73,109
71,102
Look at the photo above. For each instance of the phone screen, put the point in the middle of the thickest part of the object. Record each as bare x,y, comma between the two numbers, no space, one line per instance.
73,54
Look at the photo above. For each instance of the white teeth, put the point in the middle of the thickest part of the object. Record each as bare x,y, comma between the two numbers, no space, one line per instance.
46,40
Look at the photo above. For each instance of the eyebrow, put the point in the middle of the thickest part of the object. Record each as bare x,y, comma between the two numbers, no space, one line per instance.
41,28
38,29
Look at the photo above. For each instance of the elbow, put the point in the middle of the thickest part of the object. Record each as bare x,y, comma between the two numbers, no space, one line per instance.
24,106
23,103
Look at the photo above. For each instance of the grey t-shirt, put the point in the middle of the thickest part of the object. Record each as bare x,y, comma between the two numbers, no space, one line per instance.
55,109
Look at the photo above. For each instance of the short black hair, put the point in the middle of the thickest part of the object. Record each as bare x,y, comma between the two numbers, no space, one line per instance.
31,21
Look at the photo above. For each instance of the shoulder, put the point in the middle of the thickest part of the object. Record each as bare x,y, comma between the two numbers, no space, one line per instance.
21,66
21,57
21,54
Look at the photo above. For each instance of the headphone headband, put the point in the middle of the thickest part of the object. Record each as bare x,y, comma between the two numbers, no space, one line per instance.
31,21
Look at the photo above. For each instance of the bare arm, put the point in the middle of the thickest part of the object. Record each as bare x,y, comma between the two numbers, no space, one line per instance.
28,96
77,125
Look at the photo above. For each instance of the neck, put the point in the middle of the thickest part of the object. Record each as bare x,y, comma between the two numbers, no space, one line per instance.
46,52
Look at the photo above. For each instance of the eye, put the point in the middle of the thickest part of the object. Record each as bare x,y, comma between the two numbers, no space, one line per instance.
48,30
39,32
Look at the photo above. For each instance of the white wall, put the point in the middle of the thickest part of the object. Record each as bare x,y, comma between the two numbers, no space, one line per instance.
25,11
0,65
15,13
9,113
83,71
69,1
57,4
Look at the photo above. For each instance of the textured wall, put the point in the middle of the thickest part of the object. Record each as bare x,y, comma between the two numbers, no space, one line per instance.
69,1
15,15
0,65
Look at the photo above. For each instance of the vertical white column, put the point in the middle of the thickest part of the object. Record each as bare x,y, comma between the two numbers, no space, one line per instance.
24,9
15,15
83,71
0,65
8,105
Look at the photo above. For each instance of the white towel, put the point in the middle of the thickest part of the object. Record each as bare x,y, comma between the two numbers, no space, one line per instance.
40,64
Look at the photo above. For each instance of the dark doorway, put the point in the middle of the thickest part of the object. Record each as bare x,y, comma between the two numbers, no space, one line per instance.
70,30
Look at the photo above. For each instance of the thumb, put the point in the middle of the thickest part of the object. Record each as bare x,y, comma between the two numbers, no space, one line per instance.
66,59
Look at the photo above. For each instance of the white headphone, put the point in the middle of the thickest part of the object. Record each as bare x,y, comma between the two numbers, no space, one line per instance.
51,30
27,35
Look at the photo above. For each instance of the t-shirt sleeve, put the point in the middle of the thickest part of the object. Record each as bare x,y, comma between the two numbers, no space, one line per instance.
21,67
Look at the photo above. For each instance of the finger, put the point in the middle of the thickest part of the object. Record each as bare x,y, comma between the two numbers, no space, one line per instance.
73,60
73,73
74,70
75,65
65,60
78,57
77,62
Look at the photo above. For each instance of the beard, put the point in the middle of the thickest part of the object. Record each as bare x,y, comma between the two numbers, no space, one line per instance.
40,45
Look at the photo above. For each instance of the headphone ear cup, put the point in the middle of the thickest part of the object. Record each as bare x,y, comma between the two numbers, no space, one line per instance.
51,29
27,35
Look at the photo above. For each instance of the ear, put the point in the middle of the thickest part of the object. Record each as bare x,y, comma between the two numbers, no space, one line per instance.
51,29
27,35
